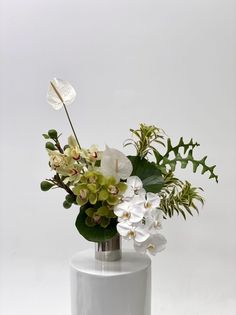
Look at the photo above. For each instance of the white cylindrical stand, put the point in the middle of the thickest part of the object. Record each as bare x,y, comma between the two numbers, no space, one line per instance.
120,287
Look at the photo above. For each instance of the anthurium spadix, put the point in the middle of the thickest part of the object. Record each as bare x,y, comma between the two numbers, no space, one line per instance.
60,92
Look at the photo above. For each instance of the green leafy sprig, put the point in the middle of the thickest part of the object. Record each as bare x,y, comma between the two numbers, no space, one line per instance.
147,137
180,197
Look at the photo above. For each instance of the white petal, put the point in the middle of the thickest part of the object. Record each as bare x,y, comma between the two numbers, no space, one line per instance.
135,182
141,235
153,199
154,244
158,241
139,199
72,141
121,208
136,214
123,228
66,91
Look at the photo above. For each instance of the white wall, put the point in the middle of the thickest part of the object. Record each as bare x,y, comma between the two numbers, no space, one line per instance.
170,63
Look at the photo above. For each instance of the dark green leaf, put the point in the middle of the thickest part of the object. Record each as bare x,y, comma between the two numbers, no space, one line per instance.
95,233
148,172
153,183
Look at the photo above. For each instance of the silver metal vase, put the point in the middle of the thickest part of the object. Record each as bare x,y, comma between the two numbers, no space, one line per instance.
109,250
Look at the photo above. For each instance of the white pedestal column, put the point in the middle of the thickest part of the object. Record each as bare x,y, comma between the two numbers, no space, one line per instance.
111,288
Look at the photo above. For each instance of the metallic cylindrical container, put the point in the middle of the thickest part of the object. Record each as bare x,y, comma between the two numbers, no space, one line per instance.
109,250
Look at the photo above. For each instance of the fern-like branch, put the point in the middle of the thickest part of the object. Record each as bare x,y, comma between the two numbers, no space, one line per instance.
164,161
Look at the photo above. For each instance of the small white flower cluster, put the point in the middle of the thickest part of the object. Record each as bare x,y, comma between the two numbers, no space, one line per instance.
139,218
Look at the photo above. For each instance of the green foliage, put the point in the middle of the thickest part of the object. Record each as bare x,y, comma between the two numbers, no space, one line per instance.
49,145
45,185
147,137
52,133
66,204
164,161
180,197
92,231
70,198
46,136
148,172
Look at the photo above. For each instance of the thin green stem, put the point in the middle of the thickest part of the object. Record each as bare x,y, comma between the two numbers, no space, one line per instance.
67,114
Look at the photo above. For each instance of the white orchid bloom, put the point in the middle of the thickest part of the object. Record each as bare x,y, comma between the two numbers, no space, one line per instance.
135,187
152,201
153,220
60,92
115,163
129,231
154,244
126,211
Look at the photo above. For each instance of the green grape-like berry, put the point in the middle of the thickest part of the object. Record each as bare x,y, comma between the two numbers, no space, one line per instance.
66,204
45,185
50,146
70,198
52,134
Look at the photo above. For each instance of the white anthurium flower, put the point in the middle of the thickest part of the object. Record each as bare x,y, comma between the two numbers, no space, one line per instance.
66,93
153,220
135,187
115,163
154,244
129,231
126,211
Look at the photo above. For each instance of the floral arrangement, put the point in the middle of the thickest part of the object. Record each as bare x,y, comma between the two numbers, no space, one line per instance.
115,193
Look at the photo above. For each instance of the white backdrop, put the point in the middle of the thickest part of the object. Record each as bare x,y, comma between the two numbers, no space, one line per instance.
164,62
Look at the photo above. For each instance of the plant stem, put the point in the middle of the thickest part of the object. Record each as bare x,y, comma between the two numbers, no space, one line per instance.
60,183
67,114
